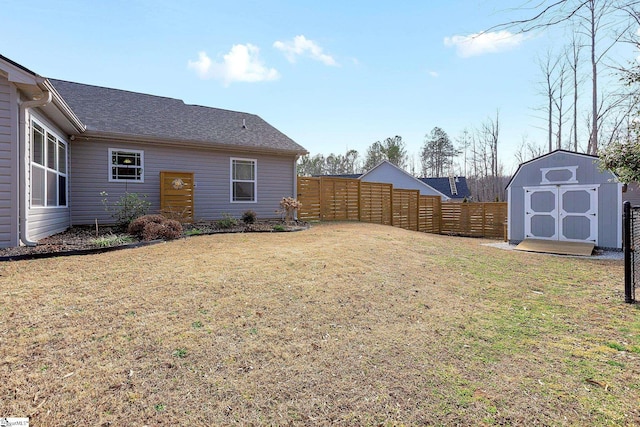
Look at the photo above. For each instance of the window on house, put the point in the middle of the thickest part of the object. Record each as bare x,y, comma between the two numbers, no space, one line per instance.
126,165
243,180
48,168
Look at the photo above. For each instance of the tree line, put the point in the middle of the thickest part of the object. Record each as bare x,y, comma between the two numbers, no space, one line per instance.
473,155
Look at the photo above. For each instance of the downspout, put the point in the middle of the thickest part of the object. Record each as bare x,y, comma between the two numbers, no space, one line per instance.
295,181
26,162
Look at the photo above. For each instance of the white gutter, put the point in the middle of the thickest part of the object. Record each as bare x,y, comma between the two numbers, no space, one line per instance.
59,102
23,137
295,181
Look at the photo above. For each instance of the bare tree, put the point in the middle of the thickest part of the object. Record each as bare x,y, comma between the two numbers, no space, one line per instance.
549,87
558,102
486,180
573,56
528,150
602,22
464,145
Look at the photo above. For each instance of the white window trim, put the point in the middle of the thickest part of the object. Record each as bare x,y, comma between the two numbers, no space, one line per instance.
125,150
254,181
45,168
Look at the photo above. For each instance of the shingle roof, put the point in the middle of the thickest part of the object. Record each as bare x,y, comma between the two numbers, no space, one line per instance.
443,186
120,112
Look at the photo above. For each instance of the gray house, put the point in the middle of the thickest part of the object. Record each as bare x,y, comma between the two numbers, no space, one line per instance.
63,143
387,172
564,196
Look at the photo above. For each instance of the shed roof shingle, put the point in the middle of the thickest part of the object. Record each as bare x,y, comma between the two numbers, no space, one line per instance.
119,112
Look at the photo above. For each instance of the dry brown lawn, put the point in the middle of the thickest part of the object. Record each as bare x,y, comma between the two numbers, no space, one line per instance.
342,324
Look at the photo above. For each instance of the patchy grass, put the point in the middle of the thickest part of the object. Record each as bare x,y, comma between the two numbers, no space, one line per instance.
112,240
347,324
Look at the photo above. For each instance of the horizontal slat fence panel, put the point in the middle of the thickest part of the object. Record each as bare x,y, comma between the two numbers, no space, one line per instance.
339,199
495,218
342,199
405,208
376,201
176,195
309,197
429,214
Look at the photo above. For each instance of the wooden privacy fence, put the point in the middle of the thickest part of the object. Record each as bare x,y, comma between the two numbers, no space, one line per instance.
343,199
176,195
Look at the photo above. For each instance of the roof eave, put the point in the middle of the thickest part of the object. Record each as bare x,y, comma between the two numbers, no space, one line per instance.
64,108
182,143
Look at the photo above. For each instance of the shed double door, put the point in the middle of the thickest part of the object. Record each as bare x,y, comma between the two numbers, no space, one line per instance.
562,212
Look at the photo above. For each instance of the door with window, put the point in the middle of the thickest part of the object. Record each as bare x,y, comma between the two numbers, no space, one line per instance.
562,212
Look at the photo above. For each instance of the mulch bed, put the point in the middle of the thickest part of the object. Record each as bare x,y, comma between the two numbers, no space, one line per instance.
82,239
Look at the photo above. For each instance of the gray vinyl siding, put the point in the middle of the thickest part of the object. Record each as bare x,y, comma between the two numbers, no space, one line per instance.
587,173
8,164
45,221
90,176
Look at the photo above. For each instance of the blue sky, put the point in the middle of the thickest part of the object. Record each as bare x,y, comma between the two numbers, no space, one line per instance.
332,75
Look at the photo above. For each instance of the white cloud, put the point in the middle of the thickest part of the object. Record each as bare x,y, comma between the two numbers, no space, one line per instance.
299,46
434,74
479,44
241,64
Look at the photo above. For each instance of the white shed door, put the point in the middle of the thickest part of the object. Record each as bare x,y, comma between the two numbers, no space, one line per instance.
561,212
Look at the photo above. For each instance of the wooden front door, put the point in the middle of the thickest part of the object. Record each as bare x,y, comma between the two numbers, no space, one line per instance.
562,212
176,195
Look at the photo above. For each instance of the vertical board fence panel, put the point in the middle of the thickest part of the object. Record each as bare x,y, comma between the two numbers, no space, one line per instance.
342,199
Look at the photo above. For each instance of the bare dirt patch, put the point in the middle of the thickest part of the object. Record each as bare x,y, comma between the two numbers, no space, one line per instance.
343,324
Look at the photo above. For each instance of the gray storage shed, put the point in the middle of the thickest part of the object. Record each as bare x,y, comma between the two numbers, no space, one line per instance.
564,196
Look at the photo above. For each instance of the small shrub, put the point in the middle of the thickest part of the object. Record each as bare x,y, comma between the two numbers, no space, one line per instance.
249,217
289,206
227,221
168,230
136,227
127,208
152,227
278,227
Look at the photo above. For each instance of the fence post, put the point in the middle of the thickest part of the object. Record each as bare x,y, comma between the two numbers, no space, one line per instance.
628,242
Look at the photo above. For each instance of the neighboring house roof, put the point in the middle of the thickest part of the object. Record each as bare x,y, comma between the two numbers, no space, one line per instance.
443,185
414,182
118,113
440,185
